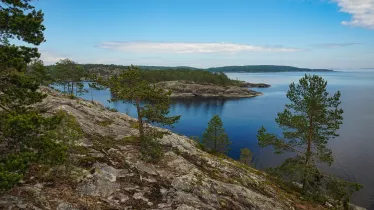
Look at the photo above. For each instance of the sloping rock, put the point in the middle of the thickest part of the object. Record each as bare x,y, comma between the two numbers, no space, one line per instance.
186,178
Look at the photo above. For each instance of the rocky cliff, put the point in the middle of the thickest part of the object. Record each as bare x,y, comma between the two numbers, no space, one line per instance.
181,89
109,174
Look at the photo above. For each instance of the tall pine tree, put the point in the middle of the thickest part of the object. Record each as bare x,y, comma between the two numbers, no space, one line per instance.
309,121
152,104
215,137
25,135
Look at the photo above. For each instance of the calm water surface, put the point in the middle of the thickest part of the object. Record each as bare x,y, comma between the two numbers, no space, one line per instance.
353,149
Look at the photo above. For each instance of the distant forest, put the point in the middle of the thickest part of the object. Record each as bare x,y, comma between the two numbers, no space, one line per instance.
263,68
156,74
152,75
113,69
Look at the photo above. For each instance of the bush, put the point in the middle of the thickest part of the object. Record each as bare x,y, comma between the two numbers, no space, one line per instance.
245,156
199,145
112,109
151,149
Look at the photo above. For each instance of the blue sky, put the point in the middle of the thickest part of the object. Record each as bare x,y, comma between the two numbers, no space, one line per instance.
208,33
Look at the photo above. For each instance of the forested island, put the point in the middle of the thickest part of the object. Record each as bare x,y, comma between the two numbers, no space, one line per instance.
181,82
264,68
106,69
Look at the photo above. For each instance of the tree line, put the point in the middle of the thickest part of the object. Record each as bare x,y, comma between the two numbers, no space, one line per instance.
59,71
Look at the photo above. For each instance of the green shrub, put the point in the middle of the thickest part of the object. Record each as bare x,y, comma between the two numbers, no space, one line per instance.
151,149
72,96
112,109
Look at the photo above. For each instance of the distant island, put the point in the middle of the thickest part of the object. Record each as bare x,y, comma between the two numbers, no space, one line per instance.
248,68
264,68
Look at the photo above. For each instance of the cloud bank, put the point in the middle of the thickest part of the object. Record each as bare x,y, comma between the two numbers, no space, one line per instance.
362,12
189,47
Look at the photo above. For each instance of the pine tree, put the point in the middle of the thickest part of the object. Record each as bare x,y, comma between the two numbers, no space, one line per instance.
308,122
69,74
25,135
38,72
215,137
152,103
245,156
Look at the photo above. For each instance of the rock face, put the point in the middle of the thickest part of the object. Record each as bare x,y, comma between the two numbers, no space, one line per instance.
181,89
255,85
113,175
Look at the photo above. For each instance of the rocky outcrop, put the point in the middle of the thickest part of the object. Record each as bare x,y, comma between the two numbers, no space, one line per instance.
181,89
109,174
255,85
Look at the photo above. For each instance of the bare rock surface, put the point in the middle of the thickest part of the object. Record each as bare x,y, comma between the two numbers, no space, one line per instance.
186,178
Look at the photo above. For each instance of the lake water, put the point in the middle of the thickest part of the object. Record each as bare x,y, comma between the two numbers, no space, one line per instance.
353,150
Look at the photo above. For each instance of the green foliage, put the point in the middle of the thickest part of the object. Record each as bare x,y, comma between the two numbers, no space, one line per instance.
308,122
20,127
112,109
198,142
30,138
69,75
12,168
151,150
152,105
245,156
38,72
215,138
198,76
63,138
15,15
154,74
26,136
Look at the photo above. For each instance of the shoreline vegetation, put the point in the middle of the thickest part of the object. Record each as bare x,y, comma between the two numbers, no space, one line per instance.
231,69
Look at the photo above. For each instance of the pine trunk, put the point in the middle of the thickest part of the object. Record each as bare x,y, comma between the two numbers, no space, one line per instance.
140,121
309,151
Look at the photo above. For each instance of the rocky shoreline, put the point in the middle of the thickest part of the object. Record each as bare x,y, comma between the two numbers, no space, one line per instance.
185,89
255,85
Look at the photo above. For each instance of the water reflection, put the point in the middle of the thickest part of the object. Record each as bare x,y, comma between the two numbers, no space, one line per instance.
197,105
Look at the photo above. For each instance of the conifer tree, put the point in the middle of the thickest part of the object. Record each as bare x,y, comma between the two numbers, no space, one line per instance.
69,74
152,103
24,133
38,72
245,156
309,121
215,137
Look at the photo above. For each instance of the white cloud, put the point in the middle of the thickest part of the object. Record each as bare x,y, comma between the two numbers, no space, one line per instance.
189,47
49,57
362,12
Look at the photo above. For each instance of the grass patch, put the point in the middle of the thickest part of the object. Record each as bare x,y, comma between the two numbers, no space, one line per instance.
134,125
131,140
111,109
105,123
72,96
